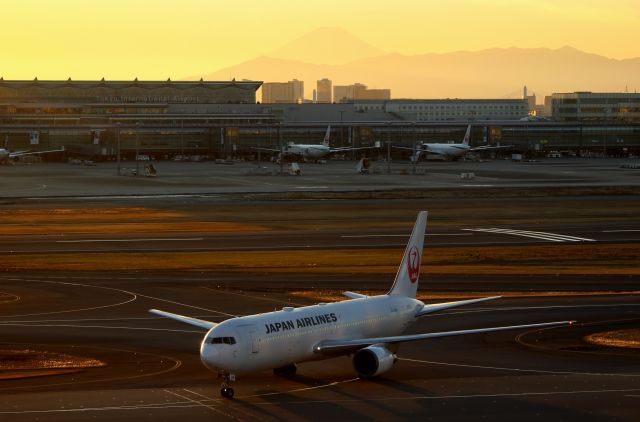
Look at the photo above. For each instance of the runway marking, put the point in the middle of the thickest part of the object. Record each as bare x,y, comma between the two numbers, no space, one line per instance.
297,390
188,239
403,235
177,363
229,404
519,308
150,318
108,327
449,397
107,408
71,310
539,371
535,235
620,231
193,403
200,403
312,187
254,297
12,298
136,295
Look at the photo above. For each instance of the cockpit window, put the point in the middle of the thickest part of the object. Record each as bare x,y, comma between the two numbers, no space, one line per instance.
223,340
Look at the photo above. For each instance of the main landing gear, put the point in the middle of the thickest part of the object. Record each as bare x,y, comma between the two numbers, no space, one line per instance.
225,389
286,371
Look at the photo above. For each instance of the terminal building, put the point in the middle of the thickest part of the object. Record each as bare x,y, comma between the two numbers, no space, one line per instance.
91,117
447,110
590,106
222,119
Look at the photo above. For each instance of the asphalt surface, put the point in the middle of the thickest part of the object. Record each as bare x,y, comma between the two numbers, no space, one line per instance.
208,178
153,369
154,372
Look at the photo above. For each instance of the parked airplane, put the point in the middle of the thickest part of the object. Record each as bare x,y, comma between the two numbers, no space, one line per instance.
311,152
368,327
449,151
6,155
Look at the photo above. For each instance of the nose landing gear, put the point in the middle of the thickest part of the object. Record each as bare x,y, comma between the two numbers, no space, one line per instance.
225,389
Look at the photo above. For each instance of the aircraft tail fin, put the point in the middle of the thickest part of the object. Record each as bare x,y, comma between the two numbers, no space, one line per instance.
327,135
467,136
406,281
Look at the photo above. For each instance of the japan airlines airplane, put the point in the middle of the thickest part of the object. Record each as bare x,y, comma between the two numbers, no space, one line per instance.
311,152
367,327
449,151
6,155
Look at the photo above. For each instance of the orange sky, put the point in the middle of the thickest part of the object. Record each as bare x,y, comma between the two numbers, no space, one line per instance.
124,39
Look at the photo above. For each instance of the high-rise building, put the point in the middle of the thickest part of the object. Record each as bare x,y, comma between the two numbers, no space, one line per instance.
298,90
358,91
324,90
283,92
531,101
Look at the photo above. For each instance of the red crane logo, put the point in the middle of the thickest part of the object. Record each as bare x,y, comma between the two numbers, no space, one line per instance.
413,264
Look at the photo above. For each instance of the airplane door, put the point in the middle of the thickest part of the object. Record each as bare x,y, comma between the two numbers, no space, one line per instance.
250,332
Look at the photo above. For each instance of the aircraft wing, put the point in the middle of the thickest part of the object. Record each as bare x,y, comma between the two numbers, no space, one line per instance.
428,309
187,320
20,153
337,347
485,148
423,148
267,149
343,149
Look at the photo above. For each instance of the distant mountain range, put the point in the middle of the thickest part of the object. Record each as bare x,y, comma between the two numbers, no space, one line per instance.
493,73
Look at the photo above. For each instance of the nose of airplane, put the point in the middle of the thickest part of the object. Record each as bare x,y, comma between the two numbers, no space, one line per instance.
209,355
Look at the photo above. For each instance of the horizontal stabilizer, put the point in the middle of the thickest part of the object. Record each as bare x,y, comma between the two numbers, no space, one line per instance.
337,347
436,307
353,295
187,320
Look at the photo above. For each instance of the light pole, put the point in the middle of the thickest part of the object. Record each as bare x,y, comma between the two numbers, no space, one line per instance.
137,149
341,134
281,150
118,150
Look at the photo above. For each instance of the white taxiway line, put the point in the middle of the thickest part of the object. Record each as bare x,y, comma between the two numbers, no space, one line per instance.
357,236
104,327
180,239
536,235
192,403
198,402
538,371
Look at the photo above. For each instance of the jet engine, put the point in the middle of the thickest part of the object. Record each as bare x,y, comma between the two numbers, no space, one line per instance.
373,360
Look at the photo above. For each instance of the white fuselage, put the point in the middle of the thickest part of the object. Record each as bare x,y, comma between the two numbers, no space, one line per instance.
308,151
280,338
450,151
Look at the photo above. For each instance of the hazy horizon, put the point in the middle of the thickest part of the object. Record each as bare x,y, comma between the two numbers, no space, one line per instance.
128,39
